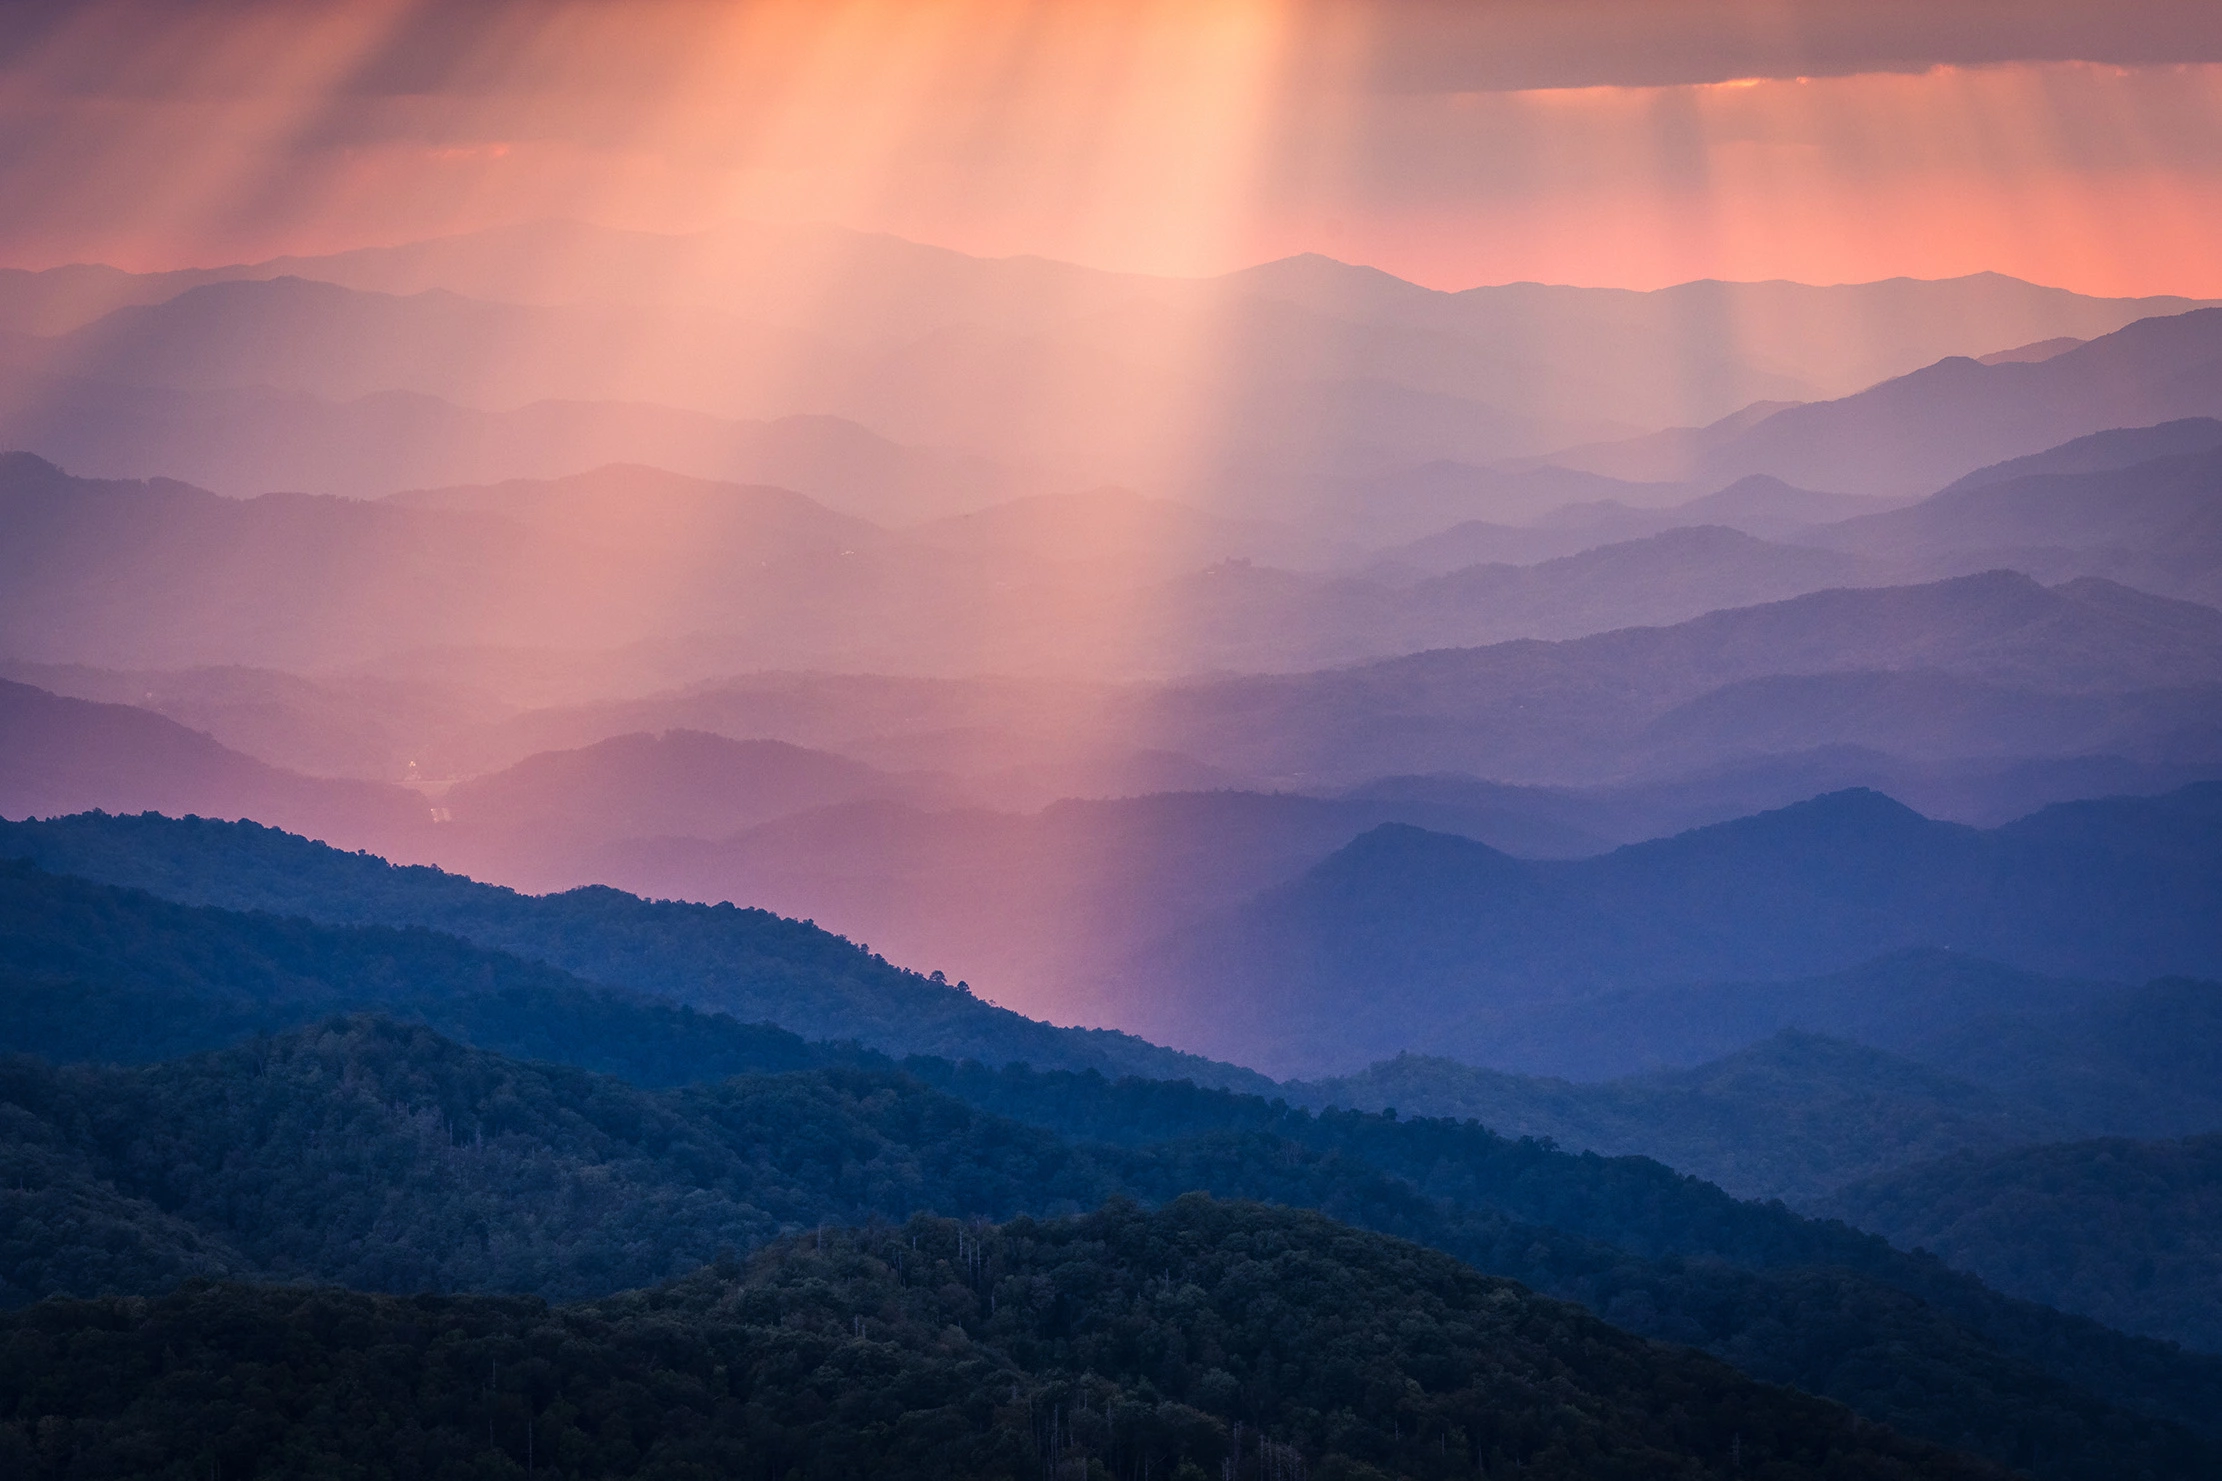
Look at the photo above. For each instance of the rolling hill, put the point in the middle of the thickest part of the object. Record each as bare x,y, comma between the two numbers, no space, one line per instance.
92,1151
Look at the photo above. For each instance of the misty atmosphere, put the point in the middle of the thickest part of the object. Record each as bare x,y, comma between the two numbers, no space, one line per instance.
1104,743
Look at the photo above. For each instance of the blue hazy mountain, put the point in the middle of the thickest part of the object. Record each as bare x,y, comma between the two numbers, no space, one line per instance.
1408,938
1933,1052
2155,524
1584,709
1917,432
2100,452
1320,365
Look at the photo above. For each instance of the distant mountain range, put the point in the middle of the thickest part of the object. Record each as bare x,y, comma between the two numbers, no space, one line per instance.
1759,505
626,570
622,579
970,871
1607,704
2156,524
1920,431
1918,1055
453,361
1410,938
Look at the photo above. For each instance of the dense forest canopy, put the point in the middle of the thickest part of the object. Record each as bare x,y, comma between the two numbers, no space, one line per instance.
1200,1339
2125,1231
384,1155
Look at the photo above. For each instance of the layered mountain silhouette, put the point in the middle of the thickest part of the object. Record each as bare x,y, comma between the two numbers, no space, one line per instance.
248,440
336,725
1572,710
1990,666
2155,524
1023,904
1921,1004
1920,431
1408,937
2117,447
70,755
1318,370
1925,1054
162,574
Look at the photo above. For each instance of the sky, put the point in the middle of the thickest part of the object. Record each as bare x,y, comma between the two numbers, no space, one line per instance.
1620,142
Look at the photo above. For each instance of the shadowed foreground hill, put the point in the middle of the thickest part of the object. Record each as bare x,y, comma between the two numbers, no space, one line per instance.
89,972
386,1156
1257,1342
1407,938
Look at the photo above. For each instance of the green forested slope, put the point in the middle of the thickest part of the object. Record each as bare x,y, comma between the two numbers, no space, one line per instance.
2127,1232
1202,1339
1794,1116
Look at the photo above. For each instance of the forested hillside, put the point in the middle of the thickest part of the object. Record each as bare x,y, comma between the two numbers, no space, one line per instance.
750,964
1794,1116
380,1154
1203,1338
2127,1232
93,972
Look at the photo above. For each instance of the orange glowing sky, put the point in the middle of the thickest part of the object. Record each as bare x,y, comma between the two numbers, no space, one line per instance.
1629,142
